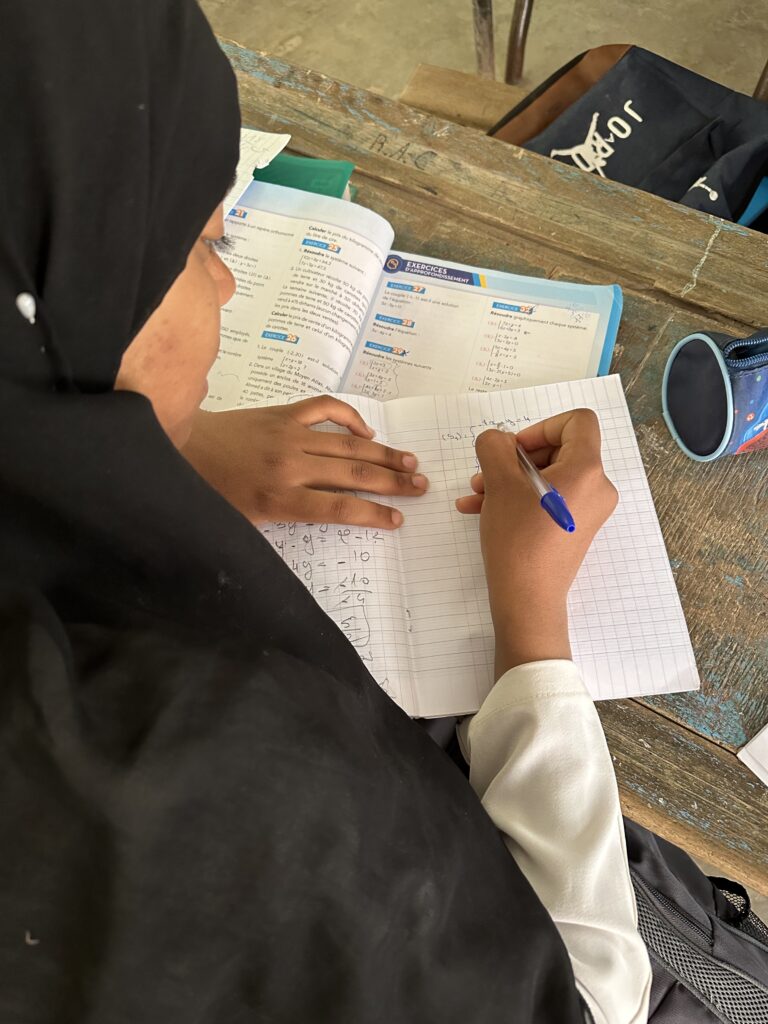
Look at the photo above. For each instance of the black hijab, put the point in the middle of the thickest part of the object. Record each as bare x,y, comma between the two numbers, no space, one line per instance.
208,809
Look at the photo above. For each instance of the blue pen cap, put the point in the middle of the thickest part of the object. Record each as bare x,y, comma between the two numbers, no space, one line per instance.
554,504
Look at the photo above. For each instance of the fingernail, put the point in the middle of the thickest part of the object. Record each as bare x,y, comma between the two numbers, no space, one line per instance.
371,431
410,461
397,517
420,481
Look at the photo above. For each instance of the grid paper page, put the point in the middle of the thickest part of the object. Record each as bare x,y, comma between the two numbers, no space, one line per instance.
628,631
414,602
354,574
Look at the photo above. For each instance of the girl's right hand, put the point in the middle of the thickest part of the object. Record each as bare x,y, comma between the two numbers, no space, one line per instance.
530,562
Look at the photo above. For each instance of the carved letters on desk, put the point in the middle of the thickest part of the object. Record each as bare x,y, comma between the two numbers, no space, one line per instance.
405,153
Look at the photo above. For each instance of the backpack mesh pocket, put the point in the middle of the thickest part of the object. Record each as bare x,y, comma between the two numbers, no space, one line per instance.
750,923
732,995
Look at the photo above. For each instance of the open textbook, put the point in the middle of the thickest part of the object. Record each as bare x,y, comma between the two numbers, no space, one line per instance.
413,602
323,304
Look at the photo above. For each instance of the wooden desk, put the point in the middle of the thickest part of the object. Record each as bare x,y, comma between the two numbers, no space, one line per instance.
453,193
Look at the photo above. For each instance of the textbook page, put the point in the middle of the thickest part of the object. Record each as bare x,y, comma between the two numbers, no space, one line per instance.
439,327
306,268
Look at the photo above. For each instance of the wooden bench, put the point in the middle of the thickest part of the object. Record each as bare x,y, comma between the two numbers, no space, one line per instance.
460,97
453,193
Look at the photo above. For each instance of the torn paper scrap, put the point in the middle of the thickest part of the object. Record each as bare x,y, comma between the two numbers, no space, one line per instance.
257,150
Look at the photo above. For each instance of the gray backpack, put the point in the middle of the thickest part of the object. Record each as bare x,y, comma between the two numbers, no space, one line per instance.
708,950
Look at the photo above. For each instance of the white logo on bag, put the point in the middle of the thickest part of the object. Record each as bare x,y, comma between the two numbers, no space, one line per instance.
592,154
702,183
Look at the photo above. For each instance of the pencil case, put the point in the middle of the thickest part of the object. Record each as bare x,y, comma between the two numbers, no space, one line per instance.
715,394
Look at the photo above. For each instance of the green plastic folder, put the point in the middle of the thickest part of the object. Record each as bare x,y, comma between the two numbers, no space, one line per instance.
325,177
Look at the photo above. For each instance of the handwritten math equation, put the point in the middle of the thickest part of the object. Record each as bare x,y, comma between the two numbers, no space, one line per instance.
336,564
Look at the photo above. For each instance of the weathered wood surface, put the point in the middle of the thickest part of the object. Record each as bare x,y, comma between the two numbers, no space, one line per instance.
450,192
689,790
707,713
459,97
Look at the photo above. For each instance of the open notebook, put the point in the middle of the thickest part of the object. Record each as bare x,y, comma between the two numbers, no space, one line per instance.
413,602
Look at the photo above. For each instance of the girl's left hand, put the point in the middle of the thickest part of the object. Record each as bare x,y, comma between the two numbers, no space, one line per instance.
271,466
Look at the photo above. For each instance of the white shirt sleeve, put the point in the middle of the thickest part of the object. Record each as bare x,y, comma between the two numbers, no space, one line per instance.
540,764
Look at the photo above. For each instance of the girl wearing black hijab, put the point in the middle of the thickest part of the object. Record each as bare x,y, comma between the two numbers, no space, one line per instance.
208,809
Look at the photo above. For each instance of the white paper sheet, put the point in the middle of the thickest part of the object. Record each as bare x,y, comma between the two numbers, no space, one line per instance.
257,150
755,755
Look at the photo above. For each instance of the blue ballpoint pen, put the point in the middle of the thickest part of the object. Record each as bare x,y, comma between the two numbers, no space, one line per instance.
551,500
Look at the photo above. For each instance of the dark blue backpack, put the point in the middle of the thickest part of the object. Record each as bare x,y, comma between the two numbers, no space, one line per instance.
627,114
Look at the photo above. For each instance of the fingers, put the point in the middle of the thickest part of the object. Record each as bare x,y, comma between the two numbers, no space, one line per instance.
357,475
312,506
470,504
324,408
497,454
576,433
571,438
346,446
542,457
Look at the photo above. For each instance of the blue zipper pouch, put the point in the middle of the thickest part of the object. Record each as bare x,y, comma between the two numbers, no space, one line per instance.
715,394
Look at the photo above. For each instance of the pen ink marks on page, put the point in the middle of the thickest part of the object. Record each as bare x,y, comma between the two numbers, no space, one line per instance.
347,607
466,436
335,564
378,378
406,153
387,688
579,316
473,431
